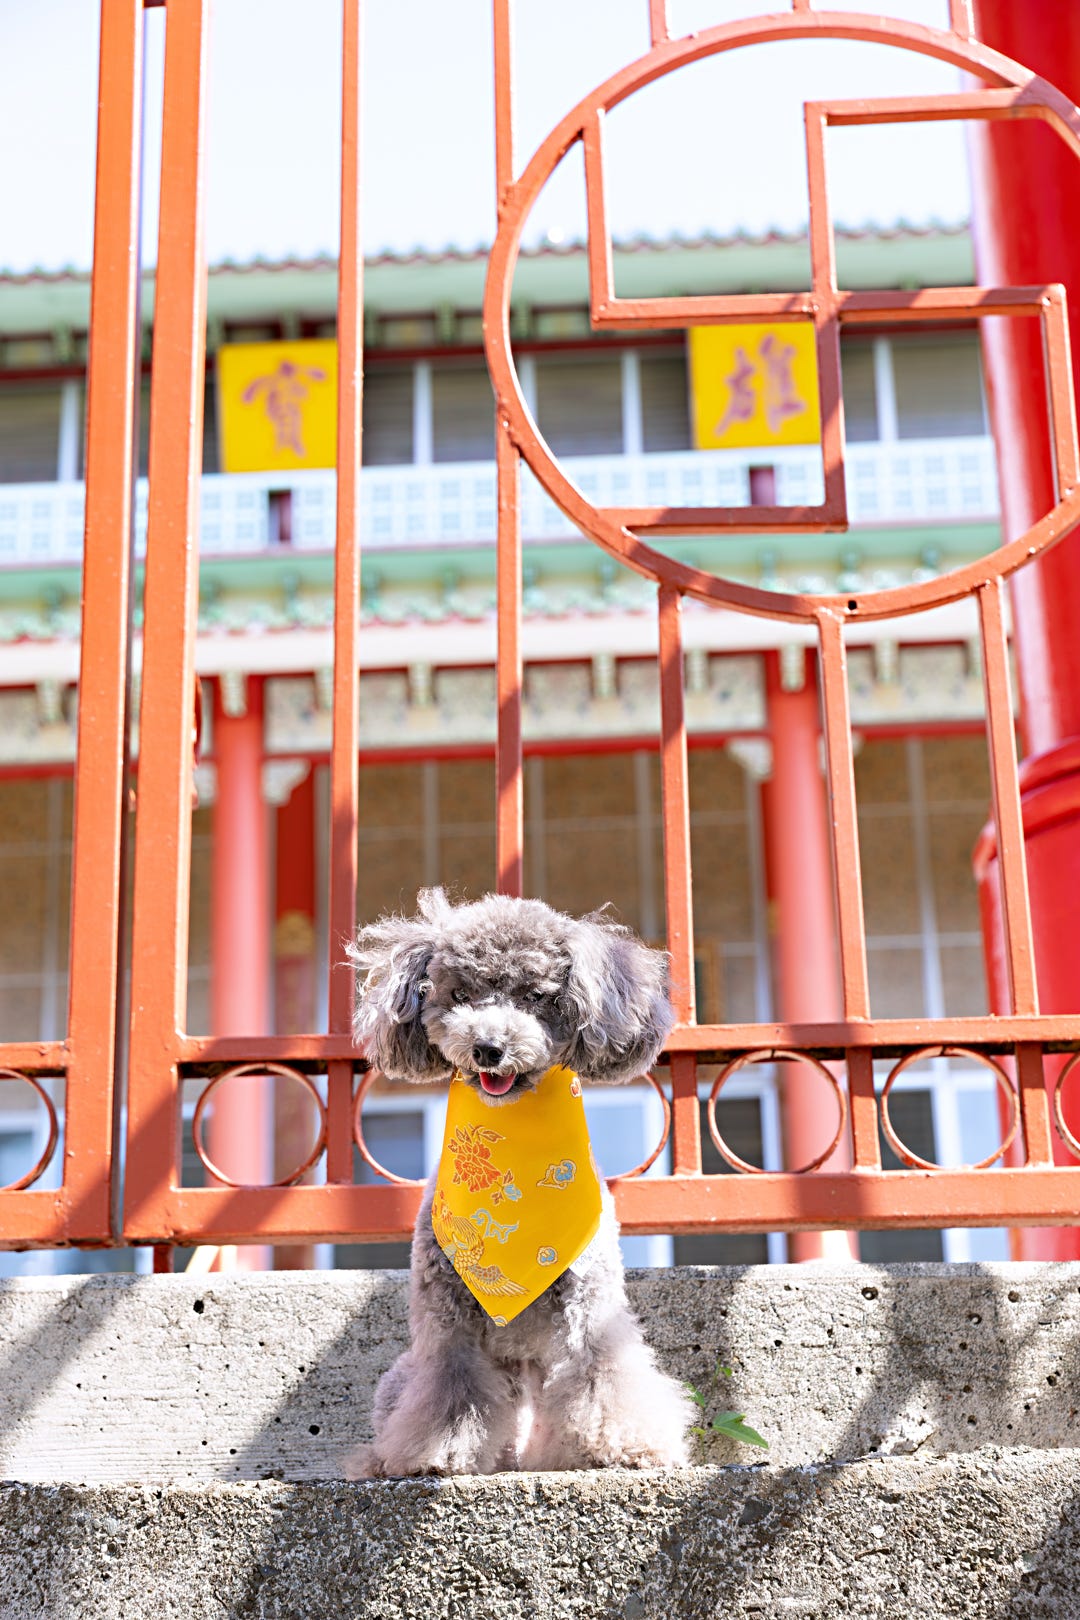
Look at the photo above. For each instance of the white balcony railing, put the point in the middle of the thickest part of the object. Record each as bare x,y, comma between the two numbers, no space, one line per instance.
911,481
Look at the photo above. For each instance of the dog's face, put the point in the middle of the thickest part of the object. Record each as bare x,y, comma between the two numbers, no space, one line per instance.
501,1023
501,990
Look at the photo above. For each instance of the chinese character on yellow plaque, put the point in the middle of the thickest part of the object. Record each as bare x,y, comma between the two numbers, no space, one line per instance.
277,405
754,385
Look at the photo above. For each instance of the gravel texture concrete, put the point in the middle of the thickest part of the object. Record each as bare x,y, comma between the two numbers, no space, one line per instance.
994,1533
181,1380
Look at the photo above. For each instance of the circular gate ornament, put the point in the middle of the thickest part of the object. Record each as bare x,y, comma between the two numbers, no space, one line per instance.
1013,91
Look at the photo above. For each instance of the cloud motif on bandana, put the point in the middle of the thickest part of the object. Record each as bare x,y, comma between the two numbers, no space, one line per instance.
558,1175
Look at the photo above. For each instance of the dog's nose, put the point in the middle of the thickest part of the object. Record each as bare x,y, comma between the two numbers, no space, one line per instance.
486,1057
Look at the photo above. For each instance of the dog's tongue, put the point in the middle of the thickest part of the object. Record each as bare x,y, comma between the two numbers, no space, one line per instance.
497,1085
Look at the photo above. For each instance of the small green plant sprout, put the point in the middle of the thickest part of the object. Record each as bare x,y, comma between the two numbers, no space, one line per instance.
731,1424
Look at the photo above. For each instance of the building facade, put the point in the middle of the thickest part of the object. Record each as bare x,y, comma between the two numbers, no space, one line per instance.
620,415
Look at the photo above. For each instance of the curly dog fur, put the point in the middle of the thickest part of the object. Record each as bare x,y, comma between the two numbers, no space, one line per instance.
501,990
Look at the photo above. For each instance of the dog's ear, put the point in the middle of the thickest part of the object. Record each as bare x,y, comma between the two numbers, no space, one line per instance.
391,958
617,995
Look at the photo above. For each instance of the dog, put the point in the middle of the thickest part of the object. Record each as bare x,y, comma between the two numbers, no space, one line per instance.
503,994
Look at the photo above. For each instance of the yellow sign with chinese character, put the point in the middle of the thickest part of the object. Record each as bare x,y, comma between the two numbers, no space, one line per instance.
277,405
754,386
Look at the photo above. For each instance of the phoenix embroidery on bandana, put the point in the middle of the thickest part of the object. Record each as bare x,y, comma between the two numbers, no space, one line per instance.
537,1170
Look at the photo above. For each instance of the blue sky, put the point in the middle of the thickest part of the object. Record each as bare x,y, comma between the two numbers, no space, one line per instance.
717,147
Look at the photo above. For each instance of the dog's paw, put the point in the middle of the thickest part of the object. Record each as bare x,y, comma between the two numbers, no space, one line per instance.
441,1461
672,1454
363,1462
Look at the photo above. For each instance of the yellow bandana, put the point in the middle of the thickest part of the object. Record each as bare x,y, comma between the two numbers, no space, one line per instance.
517,1199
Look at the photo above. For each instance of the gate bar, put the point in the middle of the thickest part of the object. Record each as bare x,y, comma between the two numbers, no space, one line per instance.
510,788
345,758
678,891
840,764
504,99
1008,816
105,648
163,846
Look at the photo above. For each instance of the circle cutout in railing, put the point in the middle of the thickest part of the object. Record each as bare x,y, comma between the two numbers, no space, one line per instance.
1064,1132
368,1080
923,1055
260,1084
20,1108
776,1055
650,1160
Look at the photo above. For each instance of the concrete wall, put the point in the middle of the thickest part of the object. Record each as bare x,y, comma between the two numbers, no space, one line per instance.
174,1448
982,1537
160,1379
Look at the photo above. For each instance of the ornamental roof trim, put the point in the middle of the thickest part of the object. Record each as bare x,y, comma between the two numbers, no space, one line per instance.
550,275
453,253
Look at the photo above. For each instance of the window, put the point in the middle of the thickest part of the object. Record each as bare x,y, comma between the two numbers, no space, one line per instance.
730,921
20,1144
388,417
463,414
579,404
29,432
922,802
860,391
665,402
938,386
625,1126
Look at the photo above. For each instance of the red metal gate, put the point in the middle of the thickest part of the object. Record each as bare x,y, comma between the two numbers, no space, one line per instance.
157,1208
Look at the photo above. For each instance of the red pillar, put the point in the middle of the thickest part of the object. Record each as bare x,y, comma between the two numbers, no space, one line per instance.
1026,203
799,859
294,985
240,1127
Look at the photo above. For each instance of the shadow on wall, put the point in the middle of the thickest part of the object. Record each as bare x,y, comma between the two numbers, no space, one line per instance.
852,1373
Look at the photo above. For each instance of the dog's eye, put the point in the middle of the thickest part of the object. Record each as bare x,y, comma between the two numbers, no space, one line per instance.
534,997
458,996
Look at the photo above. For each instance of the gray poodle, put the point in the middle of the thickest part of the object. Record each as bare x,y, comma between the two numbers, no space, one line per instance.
501,991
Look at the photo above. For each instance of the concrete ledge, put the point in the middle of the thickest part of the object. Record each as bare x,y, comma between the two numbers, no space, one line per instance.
171,1379
994,1533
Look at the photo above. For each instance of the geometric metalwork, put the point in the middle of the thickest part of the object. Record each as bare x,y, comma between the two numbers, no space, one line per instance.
776,1055
904,1197
261,1071
1005,1086
49,1149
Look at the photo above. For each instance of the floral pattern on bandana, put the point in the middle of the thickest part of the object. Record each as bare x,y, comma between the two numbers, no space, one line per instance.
471,1147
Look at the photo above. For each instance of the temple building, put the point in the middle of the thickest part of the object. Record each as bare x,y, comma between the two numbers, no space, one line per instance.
646,418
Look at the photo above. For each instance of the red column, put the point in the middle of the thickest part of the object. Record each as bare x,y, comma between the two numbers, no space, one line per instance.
1026,203
240,1128
799,857
294,985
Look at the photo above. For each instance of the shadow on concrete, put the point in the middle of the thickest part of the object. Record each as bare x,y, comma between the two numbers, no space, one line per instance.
746,1538
931,1384
34,1356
